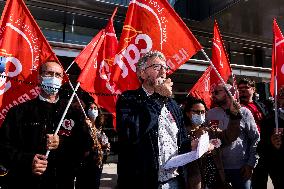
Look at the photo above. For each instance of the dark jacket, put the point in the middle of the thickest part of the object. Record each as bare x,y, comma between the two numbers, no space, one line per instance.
273,156
137,126
23,134
265,127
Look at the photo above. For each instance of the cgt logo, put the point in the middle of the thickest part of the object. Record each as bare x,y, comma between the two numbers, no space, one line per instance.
6,58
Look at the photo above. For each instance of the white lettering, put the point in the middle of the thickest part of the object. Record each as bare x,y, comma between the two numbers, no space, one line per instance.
148,41
2,116
132,48
103,74
120,63
34,93
131,61
17,65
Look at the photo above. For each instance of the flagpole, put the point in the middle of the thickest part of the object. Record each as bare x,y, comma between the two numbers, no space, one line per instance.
219,76
64,113
275,104
113,14
78,99
275,80
69,66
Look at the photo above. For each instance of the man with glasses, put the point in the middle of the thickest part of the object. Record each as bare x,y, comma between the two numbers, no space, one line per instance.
28,132
239,158
150,129
246,88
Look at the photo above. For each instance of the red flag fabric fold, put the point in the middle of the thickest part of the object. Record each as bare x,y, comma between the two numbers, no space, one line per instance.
151,25
209,79
97,79
277,59
219,58
201,89
87,61
23,48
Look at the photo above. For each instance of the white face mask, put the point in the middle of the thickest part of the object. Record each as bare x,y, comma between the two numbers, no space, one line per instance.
51,85
198,119
93,113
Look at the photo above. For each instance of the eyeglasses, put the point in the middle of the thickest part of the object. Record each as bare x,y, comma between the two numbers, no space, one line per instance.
198,111
52,74
158,67
244,87
216,92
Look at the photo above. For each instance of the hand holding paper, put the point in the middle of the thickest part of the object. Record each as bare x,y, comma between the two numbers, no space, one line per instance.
183,159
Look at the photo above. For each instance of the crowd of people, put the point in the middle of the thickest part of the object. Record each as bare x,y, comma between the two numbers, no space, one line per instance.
77,151
245,146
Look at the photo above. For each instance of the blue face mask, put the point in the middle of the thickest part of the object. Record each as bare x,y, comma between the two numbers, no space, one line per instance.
198,119
51,85
93,113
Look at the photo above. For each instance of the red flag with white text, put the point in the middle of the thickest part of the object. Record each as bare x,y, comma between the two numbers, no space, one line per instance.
277,58
201,89
23,48
219,58
99,83
151,25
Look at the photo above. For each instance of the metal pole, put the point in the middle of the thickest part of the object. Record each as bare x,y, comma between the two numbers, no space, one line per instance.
219,76
275,103
64,113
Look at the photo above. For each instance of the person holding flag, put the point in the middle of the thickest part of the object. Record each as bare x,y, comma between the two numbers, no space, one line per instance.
240,157
28,132
276,154
271,134
208,172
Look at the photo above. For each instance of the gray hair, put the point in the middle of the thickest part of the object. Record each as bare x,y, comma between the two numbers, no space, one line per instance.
142,62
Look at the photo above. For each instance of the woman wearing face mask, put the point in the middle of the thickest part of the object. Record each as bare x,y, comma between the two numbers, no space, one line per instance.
91,168
206,172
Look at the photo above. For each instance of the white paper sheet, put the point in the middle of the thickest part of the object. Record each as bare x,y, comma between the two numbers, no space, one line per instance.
203,145
186,158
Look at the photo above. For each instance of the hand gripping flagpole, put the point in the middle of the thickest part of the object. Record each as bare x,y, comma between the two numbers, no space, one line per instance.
219,76
64,113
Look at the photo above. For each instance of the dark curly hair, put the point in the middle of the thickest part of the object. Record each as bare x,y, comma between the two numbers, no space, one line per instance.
190,102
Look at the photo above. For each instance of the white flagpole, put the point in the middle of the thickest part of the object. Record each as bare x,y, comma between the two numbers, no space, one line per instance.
275,83
78,100
73,90
64,113
275,102
219,76
69,66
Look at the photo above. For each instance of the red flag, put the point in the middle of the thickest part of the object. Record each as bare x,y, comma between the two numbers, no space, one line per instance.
219,58
277,58
23,48
151,25
98,81
89,63
201,89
